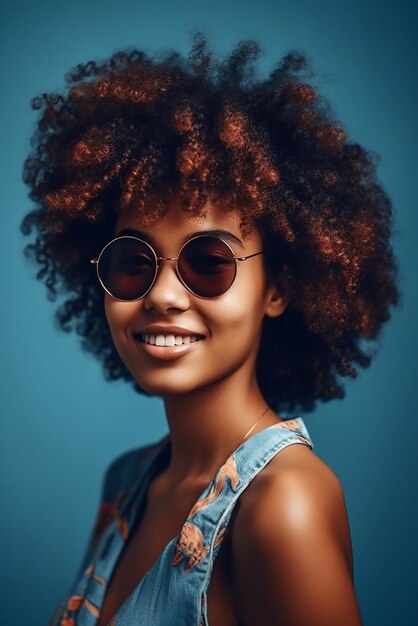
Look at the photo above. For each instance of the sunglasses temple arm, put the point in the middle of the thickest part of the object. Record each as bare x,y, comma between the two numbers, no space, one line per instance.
244,258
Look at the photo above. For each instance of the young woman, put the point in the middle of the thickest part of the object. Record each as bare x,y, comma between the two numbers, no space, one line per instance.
224,246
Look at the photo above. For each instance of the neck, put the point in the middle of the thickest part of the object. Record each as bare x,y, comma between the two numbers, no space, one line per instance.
208,425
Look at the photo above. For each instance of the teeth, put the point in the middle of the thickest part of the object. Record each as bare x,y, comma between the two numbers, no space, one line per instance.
159,340
169,340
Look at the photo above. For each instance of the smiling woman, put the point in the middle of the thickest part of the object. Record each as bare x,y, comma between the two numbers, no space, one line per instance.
227,319
237,247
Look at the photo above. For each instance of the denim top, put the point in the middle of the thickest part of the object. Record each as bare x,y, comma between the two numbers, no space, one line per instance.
173,591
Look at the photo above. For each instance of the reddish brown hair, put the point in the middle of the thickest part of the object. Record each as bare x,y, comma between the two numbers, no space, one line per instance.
132,130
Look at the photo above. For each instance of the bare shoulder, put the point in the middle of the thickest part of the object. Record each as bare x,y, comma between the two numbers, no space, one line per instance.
295,489
292,528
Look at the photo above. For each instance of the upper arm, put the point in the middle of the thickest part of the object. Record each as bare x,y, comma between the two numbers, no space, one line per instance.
292,553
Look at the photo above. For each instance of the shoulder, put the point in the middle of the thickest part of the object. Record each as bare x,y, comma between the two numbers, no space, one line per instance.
125,470
296,494
292,528
121,477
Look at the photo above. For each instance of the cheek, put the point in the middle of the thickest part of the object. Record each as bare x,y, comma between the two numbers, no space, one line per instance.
118,315
111,312
239,317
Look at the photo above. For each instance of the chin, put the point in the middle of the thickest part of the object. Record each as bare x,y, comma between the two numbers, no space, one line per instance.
166,383
166,386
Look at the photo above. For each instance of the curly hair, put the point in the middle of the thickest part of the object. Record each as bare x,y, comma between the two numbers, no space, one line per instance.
129,132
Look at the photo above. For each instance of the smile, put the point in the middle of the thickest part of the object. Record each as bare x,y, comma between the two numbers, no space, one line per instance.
168,347
163,341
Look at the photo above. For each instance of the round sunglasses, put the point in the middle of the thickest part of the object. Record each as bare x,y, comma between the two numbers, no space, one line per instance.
128,266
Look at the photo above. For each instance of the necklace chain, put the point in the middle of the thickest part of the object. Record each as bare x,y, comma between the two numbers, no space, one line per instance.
255,423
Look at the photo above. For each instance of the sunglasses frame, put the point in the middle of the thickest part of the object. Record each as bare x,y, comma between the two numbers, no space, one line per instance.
96,261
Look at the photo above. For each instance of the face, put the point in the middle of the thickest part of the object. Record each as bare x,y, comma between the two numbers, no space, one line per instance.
215,338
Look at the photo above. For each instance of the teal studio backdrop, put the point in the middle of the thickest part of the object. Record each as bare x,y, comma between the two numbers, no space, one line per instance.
62,423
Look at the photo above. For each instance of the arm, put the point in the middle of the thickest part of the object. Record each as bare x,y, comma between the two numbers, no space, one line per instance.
292,550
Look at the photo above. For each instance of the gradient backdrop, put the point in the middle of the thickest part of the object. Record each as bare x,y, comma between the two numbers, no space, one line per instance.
61,423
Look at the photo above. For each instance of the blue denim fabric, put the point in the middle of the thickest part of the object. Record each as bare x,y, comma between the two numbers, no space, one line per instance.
173,591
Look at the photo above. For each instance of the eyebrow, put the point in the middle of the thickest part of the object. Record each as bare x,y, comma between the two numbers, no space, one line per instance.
215,232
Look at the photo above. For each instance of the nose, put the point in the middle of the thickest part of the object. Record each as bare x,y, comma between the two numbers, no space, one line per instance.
167,292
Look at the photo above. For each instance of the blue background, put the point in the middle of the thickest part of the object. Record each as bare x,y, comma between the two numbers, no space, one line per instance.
62,423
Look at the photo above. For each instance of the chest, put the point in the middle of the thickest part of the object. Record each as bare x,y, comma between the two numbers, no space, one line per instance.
162,520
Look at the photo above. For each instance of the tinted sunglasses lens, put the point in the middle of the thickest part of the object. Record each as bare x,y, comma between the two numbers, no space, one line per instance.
127,268
207,266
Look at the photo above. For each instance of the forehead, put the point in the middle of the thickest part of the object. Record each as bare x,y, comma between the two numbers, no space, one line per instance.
177,224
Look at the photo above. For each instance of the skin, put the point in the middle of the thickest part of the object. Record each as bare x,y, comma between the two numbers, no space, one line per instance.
289,538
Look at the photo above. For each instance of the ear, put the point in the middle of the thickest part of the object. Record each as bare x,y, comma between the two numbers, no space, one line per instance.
277,297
